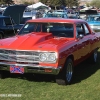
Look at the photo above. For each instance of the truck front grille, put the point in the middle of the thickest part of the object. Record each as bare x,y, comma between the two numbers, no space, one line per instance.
19,56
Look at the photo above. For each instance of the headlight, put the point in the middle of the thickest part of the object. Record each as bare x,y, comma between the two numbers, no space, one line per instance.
51,57
43,57
48,57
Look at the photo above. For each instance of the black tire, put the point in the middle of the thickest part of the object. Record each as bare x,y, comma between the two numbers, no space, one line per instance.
1,36
66,75
1,75
4,74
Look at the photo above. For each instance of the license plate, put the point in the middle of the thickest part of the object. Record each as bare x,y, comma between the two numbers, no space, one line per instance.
16,69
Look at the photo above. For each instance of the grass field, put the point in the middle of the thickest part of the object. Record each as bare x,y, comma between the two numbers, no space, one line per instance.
85,86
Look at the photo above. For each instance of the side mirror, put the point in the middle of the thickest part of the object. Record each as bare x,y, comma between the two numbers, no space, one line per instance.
81,36
18,30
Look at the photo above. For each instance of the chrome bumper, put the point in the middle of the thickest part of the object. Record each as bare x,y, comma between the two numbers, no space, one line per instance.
29,68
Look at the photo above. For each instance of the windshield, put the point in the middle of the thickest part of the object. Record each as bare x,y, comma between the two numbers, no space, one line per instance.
57,29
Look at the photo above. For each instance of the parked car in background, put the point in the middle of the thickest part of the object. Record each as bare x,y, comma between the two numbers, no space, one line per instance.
24,20
8,27
55,14
10,20
85,13
32,14
2,9
73,15
53,46
94,22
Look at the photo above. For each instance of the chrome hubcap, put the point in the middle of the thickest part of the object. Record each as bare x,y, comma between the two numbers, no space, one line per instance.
95,56
69,72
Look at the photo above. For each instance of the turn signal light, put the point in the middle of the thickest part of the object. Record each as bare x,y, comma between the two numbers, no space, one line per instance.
48,70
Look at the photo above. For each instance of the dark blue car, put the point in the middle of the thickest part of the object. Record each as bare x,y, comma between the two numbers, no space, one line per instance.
10,20
8,27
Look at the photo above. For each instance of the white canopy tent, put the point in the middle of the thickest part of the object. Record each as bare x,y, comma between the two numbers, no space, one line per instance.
37,5
86,8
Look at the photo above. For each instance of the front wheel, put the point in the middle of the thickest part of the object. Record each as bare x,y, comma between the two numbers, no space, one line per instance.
65,76
1,36
4,74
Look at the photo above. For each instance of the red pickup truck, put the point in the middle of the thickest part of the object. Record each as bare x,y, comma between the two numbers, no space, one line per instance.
49,46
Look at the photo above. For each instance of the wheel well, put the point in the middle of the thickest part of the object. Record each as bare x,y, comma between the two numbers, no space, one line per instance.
70,56
2,33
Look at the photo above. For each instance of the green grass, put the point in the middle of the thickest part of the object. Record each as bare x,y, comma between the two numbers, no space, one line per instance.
85,85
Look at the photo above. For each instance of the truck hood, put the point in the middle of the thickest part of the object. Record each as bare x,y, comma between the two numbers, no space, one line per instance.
15,12
32,41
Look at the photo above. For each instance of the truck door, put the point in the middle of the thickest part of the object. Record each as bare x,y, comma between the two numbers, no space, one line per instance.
83,43
87,39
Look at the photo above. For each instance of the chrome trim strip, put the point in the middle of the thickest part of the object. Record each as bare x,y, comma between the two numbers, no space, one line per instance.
9,63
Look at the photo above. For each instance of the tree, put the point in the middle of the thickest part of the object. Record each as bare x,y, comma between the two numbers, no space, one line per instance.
1,2
8,2
62,2
68,3
95,3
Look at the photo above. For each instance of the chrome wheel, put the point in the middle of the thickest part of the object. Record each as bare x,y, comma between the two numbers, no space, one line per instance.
65,76
95,56
69,72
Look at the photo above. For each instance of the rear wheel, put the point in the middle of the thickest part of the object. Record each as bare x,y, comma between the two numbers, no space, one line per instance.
65,76
93,57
